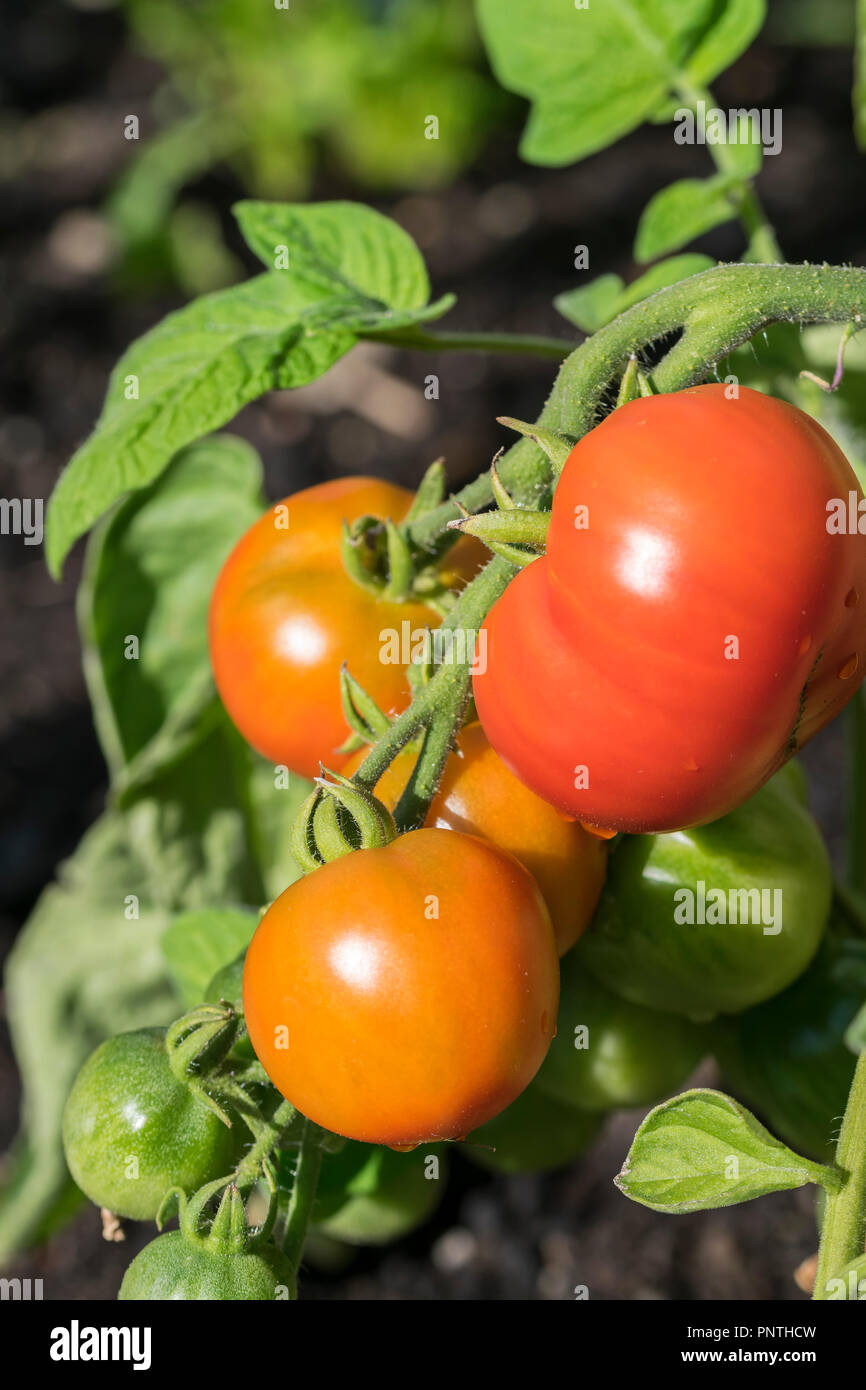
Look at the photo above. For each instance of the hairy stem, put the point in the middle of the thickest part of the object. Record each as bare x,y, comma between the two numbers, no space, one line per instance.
714,312
512,344
303,1194
844,1230
856,867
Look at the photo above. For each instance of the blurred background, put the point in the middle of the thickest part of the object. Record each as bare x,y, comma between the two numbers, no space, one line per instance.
102,234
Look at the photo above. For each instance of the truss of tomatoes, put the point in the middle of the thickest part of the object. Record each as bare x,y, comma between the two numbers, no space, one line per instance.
693,623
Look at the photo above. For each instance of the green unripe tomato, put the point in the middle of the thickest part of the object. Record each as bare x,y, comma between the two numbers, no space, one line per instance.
787,1058
174,1267
533,1134
609,1052
370,1195
132,1130
664,934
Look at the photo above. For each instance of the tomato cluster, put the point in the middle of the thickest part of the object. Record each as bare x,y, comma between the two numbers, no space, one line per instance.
511,971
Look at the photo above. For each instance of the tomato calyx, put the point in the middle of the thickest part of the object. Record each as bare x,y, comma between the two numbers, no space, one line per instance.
227,1232
197,1044
338,818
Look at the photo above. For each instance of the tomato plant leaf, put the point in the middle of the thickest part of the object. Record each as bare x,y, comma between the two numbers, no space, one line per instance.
143,602
558,55
338,248
86,964
702,1149
591,306
200,365
855,1034
682,211
198,944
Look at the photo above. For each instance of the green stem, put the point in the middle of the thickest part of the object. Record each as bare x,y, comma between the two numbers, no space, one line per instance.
303,1194
270,1134
856,866
844,1230
763,245
716,311
520,344
440,705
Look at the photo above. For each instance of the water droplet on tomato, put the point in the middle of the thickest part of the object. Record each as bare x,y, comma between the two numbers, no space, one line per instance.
848,667
544,1023
805,644
691,765
851,598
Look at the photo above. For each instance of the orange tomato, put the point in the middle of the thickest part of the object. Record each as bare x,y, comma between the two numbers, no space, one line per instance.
285,615
480,796
405,994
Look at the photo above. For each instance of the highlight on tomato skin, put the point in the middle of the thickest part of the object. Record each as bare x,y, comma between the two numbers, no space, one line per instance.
285,616
405,994
697,617
480,796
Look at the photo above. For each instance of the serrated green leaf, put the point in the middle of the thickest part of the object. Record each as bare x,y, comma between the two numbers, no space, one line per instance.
560,57
703,1150
198,944
338,248
200,365
682,211
192,373
149,575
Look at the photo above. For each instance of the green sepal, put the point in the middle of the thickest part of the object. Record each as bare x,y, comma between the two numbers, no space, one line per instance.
361,712
430,494
199,1041
515,527
399,582
337,819
557,447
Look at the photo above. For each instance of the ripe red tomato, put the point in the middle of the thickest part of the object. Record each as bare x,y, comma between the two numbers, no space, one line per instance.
479,796
284,616
408,993
694,621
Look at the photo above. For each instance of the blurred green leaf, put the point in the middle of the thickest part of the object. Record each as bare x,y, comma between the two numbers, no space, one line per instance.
595,73
859,94
83,967
595,304
149,575
198,944
681,212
